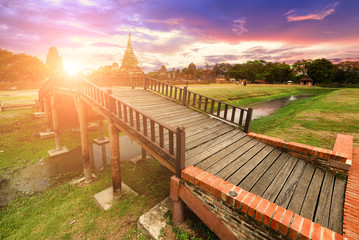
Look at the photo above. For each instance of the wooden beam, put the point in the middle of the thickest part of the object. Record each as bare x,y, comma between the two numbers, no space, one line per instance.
115,161
82,112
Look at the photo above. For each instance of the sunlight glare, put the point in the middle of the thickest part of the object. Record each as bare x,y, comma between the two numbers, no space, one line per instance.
72,68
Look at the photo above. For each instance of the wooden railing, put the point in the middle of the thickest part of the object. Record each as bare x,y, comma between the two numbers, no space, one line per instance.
238,116
168,141
241,117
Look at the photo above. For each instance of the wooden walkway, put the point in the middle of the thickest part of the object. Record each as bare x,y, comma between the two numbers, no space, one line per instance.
225,151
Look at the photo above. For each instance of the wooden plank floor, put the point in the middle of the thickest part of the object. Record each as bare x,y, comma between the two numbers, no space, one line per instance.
227,152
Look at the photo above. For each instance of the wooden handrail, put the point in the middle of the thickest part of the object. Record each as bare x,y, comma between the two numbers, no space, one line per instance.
238,116
151,131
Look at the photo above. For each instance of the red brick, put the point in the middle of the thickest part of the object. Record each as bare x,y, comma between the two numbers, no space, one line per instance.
337,236
219,188
184,173
239,198
268,213
199,177
317,231
204,179
214,185
260,210
284,224
194,174
254,205
328,234
277,218
230,198
208,183
225,192
296,224
246,202
305,230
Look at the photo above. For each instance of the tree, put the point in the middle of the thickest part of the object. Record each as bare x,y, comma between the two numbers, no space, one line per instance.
278,73
221,68
321,71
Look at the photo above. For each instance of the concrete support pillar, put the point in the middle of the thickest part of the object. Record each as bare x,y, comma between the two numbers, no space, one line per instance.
144,154
85,141
115,161
102,130
55,122
178,211
47,114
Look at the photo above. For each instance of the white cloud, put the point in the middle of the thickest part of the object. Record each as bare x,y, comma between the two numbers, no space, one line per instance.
238,26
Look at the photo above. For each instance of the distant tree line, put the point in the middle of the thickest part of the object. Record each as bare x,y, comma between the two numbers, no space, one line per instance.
21,67
322,71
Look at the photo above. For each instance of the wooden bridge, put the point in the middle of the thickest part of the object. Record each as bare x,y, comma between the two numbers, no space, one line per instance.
181,128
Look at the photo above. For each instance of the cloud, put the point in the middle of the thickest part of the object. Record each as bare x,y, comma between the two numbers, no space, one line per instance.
169,21
238,26
220,58
294,15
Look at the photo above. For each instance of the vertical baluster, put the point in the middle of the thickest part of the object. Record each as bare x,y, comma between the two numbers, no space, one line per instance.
131,117
153,136
138,120
199,102
188,102
119,110
241,117
175,93
171,88
212,106
219,109
233,114
194,100
161,136
248,120
144,119
170,141
166,90
225,111
205,104
125,113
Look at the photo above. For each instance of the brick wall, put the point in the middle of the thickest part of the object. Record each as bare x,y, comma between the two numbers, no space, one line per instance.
334,161
249,216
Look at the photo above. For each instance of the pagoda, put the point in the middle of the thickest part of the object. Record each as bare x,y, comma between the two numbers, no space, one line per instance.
129,62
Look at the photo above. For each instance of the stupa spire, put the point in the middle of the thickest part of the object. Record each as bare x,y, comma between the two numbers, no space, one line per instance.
129,44
129,64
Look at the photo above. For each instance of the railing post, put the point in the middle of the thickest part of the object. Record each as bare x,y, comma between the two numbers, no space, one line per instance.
145,83
180,150
184,96
110,106
248,120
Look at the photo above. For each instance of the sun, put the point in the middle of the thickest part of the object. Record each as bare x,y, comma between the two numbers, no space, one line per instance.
72,67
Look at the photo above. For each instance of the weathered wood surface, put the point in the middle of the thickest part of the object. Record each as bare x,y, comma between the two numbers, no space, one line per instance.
227,152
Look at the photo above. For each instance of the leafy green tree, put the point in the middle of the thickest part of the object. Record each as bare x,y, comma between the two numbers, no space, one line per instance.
321,71
221,68
278,73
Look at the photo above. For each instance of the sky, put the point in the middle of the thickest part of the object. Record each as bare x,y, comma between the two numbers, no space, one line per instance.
89,34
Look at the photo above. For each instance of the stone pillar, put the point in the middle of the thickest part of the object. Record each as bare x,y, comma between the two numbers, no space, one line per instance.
85,141
144,154
178,211
55,122
115,161
47,114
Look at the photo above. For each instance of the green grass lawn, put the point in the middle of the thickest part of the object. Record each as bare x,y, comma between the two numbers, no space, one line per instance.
315,121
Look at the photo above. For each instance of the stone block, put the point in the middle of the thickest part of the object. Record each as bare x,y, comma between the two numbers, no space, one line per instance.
100,141
45,135
152,221
104,199
57,152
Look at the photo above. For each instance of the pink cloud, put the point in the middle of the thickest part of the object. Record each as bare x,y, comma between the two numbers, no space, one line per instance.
294,15
170,21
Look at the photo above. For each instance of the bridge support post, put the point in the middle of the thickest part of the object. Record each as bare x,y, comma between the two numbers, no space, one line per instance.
47,114
115,161
85,141
178,210
55,122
